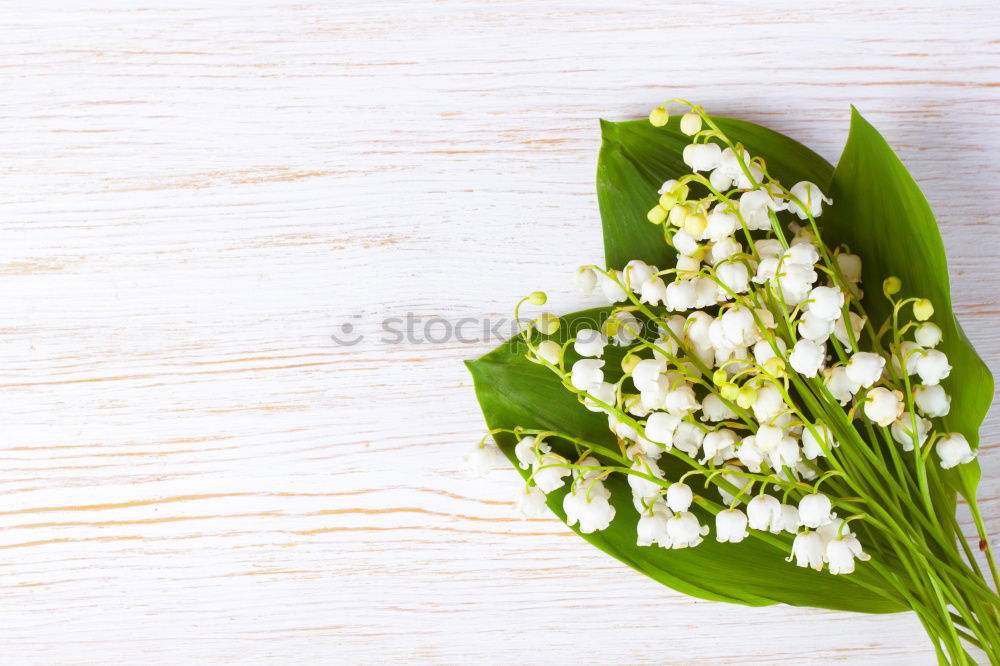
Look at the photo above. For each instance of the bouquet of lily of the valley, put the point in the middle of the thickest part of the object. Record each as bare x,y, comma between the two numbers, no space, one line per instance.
777,404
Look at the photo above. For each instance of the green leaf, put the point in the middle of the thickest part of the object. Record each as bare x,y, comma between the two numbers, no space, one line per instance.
636,158
515,392
881,214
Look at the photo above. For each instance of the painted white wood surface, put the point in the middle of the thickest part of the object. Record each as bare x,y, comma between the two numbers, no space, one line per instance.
194,198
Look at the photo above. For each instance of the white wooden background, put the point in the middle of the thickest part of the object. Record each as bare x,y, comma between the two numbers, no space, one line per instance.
195,197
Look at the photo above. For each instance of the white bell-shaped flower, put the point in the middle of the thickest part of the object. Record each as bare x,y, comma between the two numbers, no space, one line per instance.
808,550
605,392
585,280
807,357
954,449
763,351
883,406
865,368
528,451
652,526
713,409
928,334
767,270
815,510
695,328
786,454
653,291
681,295
755,207
590,342
681,401
721,225
769,402
687,267
685,531
612,291
763,511
812,447
531,503
646,373
803,254
641,486
908,354
810,197
742,484
589,506
679,497
816,328
660,427
550,351
484,457
636,272
850,266
932,367
719,445
622,328
795,282
735,276
840,385
769,248
750,455
788,520
841,553
825,302
932,400
722,250
685,243
586,373
706,292
688,438
702,156
731,526
621,429
840,329
549,472
903,432
769,437
738,326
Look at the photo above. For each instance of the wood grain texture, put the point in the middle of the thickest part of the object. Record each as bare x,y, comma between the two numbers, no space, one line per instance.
195,197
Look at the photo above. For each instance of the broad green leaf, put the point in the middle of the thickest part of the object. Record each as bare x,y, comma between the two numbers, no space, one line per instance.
880,213
636,158
513,391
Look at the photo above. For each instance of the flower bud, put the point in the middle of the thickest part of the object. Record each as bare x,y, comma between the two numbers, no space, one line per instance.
537,298
774,366
547,324
657,214
550,351
658,117
746,397
690,124
892,285
677,215
923,309
629,362
729,391
695,224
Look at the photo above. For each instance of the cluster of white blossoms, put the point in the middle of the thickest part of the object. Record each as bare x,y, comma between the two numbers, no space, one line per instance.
750,363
